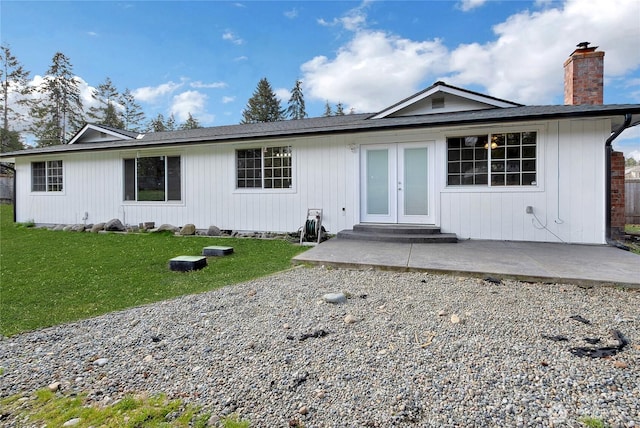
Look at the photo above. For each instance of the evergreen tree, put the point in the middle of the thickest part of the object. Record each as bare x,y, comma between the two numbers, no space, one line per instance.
108,111
339,109
190,123
132,114
58,114
296,108
263,106
157,124
327,110
170,124
10,141
15,83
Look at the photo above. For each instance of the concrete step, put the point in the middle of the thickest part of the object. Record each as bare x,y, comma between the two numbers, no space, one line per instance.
399,229
410,238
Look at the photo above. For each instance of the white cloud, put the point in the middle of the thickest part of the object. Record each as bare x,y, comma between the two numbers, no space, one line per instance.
231,37
353,20
291,14
241,58
373,70
92,33
215,85
193,102
467,5
151,94
283,94
523,63
227,100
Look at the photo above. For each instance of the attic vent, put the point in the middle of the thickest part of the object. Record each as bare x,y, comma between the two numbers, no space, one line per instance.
437,103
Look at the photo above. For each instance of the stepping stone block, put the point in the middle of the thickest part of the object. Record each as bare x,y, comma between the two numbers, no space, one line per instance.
215,250
187,263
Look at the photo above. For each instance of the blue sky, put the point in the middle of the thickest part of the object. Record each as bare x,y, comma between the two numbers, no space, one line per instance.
206,57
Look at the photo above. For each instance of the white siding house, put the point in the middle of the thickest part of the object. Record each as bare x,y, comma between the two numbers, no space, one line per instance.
472,165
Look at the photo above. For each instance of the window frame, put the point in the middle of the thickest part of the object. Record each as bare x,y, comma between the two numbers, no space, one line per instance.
51,177
130,167
489,186
271,168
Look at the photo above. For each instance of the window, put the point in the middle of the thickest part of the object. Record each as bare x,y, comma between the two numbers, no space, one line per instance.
46,176
266,168
504,159
152,179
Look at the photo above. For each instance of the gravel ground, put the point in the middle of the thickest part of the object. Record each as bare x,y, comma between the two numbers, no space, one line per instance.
405,349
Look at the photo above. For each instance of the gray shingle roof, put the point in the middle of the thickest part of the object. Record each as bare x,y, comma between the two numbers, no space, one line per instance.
352,123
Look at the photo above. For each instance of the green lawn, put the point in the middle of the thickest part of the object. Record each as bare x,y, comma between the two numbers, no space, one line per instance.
48,278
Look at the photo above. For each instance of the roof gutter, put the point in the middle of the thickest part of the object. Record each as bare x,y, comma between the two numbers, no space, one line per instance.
607,185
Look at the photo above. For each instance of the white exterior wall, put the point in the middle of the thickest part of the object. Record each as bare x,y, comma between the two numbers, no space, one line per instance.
568,200
93,184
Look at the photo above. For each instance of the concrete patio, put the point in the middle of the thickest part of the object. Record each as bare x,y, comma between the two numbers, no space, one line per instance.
586,265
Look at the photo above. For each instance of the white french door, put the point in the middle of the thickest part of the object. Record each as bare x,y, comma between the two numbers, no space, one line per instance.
397,183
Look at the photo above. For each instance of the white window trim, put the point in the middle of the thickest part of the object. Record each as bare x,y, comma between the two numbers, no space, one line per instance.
262,190
151,154
540,149
46,168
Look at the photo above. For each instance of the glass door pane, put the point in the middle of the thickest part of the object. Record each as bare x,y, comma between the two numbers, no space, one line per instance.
377,184
415,187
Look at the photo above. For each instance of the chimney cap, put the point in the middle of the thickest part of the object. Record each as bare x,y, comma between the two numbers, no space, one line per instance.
583,47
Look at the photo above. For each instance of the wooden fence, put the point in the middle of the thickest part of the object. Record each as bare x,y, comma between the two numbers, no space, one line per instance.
6,188
632,200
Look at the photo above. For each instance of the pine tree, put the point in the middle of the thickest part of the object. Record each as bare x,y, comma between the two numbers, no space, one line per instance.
15,85
190,123
327,110
108,111
157,124
11,141
263,106
132,115
339,109
170,124
296,109
59,113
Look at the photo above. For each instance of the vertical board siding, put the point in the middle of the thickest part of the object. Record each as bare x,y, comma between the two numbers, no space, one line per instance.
568,202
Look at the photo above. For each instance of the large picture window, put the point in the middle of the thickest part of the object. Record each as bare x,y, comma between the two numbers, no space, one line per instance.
266,168
154,178
503,159
46,176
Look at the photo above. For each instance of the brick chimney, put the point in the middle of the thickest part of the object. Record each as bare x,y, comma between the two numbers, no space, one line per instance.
583,76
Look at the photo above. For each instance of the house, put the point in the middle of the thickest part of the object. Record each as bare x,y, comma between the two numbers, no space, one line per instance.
471,164
632,172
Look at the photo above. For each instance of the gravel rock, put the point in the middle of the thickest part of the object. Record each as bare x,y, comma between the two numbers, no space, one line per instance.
398,366
334,298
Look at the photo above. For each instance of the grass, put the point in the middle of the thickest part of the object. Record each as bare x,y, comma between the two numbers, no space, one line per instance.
633,229
592,422
48,278
46,408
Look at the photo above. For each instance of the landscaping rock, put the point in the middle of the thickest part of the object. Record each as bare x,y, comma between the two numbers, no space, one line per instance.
67,228
54,387
78,228
214,231
166,227
59,227
97,227
188,229
114,225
